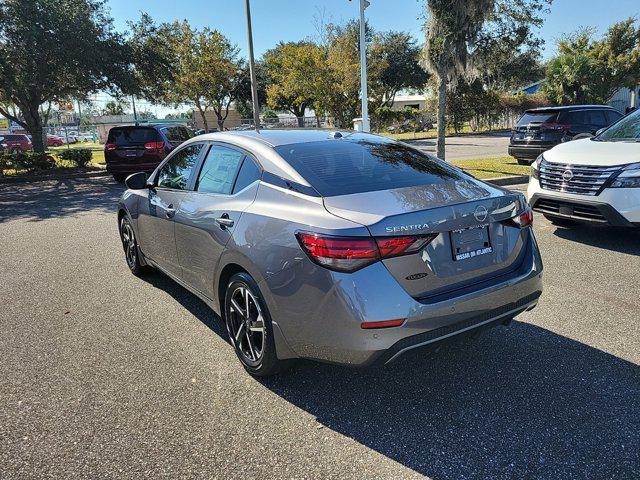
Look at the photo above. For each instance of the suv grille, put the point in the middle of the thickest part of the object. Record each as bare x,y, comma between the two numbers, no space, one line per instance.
578,179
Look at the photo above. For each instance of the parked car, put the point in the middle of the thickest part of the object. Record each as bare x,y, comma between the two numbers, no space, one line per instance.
131,149
347,248
55,141
84,137
17,142
594,180
540,129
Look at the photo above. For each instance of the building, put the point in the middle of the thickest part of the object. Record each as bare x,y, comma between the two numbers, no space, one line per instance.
233,119
417,102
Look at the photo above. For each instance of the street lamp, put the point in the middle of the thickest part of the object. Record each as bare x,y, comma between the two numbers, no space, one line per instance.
363,66
252,70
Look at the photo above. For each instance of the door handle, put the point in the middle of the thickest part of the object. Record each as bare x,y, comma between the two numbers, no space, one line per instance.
170,211
224,221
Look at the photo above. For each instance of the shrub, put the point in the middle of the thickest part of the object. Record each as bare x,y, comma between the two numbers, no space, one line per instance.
81,157
32,161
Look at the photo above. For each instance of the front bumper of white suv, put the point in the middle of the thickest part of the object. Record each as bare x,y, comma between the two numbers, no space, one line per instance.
585,195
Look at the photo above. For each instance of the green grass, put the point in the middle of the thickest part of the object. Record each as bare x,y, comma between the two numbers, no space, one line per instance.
97,151
492,167
432,134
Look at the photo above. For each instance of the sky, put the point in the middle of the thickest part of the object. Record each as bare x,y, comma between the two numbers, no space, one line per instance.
287,20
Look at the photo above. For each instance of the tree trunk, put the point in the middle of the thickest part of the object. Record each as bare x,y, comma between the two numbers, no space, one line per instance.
204,120
37,138
442,110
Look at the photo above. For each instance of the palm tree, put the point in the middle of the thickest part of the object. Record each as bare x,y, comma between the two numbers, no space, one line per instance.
451,29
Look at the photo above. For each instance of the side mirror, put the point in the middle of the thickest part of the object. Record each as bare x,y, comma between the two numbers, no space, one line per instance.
600,131
136,181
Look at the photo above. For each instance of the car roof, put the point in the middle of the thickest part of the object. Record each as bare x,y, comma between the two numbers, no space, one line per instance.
277,137
570,107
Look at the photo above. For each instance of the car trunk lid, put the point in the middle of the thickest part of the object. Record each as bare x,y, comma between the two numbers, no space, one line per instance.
474,241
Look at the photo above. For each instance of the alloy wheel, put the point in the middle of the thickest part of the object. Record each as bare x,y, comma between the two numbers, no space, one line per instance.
246,324
129,244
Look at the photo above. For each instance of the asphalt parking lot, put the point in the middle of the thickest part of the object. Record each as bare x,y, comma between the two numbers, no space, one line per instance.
105,375
468,147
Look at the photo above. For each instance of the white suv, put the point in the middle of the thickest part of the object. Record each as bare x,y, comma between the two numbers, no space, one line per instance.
595,180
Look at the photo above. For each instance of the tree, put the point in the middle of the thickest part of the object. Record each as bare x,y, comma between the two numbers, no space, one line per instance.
479,38
56,49
451,27
201,67
293,69
590,71
399,55
115,107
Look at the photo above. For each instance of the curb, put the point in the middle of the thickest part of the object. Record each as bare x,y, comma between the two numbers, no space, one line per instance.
506,181
33,179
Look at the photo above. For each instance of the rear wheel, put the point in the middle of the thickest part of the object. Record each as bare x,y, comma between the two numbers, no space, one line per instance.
249,327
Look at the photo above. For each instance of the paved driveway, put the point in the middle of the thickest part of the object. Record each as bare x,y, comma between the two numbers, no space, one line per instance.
105,375
469,147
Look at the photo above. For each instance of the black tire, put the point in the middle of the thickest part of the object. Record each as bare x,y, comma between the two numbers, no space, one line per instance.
132,253
119,177
524,161
250,329
560,222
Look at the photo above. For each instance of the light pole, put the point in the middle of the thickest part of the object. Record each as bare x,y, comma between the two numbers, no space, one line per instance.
363,67
252,71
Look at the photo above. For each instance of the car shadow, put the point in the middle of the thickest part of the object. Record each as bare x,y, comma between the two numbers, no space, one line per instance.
58,198
518,402
617,239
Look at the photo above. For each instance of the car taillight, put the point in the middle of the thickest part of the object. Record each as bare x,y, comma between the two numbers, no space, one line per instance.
525,219
154,145
110,146
348,254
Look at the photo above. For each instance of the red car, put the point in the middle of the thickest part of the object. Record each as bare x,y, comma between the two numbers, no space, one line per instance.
16,142
54,141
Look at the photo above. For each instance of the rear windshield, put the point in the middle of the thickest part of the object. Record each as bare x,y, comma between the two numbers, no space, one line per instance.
178,134
537,117
346,166
133,136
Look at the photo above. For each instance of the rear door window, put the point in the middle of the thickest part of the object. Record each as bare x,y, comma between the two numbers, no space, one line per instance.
537,117
219,170
352,165
176,172
612,116
576,117
249,173
133,136
597,118
178,134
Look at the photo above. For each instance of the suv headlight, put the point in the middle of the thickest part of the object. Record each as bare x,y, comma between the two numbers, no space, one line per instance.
628,178
535,167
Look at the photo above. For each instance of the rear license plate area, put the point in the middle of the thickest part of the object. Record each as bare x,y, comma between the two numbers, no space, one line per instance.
470,242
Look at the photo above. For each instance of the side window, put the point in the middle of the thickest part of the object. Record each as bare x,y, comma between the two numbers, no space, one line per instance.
176,172
577,117
178,134
249,173
219,170
597,118
612,116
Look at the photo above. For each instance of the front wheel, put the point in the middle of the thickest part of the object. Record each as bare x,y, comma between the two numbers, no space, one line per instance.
131,251
249,327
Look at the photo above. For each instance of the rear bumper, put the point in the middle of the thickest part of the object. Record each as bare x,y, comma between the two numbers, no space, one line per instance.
321,318
618,207
127,169
527,152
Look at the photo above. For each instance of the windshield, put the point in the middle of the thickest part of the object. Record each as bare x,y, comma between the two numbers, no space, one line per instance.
345,166
626,130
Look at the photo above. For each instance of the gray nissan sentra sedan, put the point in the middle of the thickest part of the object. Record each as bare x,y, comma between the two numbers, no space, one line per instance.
341,247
